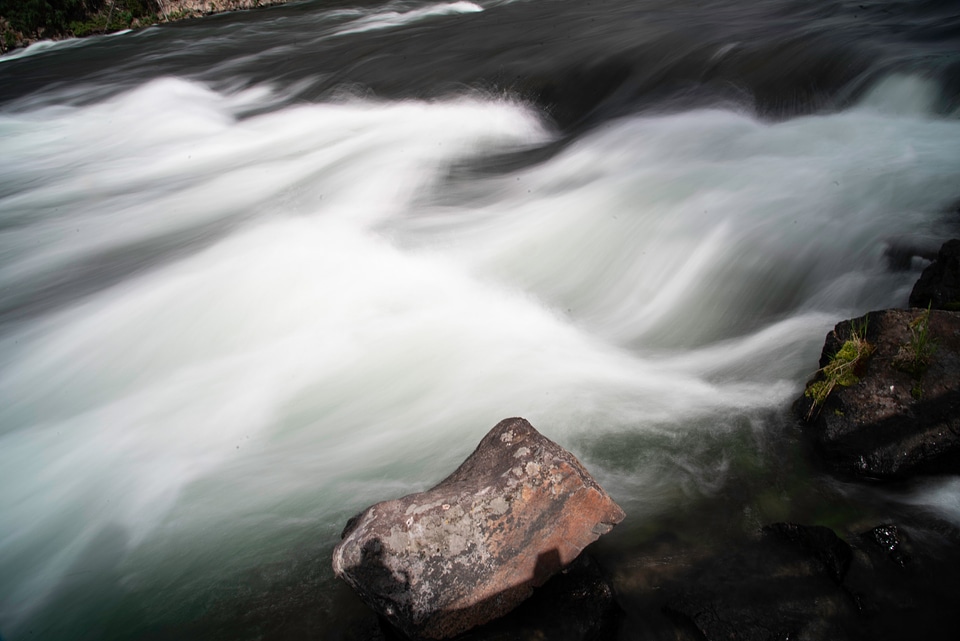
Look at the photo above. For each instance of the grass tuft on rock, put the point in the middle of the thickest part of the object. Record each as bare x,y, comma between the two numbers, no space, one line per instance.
914,356
842,368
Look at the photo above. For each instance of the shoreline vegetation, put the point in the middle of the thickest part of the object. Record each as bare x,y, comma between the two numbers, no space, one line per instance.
24,22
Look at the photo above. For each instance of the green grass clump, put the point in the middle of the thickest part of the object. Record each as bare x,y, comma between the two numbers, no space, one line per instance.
914,356
842,368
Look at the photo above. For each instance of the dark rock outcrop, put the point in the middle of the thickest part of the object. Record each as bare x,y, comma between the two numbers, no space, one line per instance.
472,548
902,415
776,587
817,542
939,284
901,253
577,604
805,582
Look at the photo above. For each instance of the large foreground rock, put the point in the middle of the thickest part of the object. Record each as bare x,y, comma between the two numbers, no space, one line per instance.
437,563
898,419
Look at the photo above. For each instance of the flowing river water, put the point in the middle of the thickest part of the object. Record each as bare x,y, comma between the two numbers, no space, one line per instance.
260,270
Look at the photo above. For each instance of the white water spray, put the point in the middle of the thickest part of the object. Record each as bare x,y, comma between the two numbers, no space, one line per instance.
293,313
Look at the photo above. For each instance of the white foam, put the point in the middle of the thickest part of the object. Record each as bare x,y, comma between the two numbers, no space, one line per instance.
902,95
40,46
361,318
44,46
942,496
679,229
396,18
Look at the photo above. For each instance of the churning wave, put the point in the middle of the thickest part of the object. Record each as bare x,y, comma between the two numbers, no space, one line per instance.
396,18
190,303
241,299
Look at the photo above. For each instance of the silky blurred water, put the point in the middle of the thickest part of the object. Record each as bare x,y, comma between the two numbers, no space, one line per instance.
234,312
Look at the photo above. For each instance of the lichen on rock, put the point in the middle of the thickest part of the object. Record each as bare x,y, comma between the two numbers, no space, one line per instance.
470,549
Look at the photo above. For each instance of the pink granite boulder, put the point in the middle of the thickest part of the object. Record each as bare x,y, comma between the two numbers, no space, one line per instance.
472,548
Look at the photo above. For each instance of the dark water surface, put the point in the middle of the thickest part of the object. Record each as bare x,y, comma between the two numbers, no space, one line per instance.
260,270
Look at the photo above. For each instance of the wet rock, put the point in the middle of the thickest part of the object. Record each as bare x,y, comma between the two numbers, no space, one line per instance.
901,414
775,587
939,284
887,538
821,543
577,604
805,582
902,253
472,548
903,582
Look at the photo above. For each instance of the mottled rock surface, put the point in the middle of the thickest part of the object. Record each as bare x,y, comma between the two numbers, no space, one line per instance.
470,549
939,284
898,419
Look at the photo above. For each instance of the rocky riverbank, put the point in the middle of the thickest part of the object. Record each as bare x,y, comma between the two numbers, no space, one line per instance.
884,405
176,9
22,25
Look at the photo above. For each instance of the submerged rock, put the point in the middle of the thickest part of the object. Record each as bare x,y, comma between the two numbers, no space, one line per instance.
472,548
805,582
577,604
901,253
818,542
939,284
783,585
896,411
